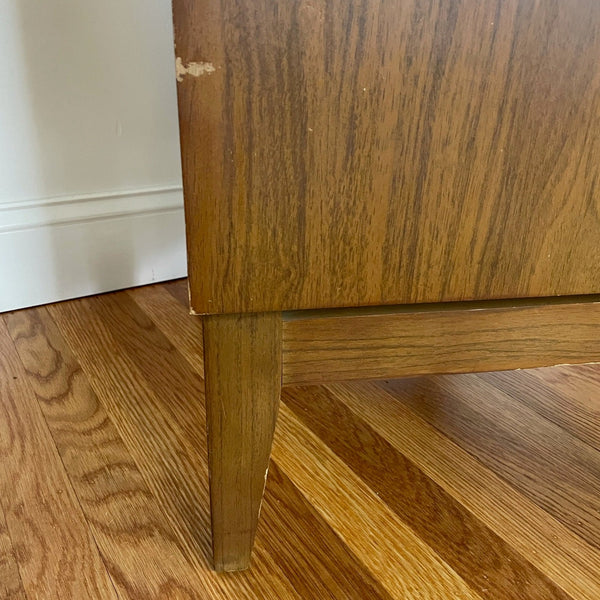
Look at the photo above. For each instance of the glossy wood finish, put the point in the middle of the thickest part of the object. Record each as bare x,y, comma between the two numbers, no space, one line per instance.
242,371
375,490
458,337
367,152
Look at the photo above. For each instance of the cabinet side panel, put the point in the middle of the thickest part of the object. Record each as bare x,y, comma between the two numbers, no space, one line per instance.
364,152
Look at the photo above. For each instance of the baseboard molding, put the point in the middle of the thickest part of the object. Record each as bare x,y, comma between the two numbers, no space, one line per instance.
42,212
61,248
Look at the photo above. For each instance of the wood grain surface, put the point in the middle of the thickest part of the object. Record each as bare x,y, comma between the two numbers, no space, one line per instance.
536,444
11,587
242,374
553,548
365,522
453,486
367,152
55,550
137,544
565,396
479,556
325,346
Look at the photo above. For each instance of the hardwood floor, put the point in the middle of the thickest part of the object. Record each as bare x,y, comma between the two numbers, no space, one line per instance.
448,487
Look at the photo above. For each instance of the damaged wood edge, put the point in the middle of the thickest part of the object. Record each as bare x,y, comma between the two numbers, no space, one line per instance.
195,69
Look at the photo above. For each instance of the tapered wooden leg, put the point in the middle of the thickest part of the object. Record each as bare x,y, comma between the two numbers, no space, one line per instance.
242,369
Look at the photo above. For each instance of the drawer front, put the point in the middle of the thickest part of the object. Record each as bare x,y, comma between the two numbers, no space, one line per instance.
346,152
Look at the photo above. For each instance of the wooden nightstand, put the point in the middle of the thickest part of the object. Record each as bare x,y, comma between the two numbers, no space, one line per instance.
377,188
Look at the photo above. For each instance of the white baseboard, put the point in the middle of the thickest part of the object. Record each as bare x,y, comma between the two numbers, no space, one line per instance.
61,248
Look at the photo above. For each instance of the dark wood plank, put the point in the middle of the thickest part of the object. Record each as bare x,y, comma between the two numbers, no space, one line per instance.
483,559
548,465
242,374
366,152
458,337
55,550
161,307
178,288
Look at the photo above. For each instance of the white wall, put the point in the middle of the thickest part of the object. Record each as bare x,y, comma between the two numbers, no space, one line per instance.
90,183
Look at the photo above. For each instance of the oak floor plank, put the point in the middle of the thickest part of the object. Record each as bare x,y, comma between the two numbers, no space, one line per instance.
569,396
179,289
547,464
55,551
137,545
11,586
166,312
549,545
485,561
187,338
323,565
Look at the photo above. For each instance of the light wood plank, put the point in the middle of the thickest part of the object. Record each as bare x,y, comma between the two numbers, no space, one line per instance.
450,338
319,563
284,519
56,553
553,548
242,362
